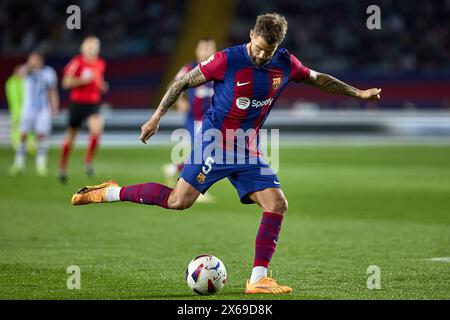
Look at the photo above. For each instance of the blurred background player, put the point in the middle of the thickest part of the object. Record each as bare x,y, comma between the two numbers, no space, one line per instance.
41,99
15,91
84,77
193,103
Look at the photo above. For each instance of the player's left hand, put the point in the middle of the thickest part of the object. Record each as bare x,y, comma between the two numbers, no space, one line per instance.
148,129
370,94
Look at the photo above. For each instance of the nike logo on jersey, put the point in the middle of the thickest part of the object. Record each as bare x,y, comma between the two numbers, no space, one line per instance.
240,84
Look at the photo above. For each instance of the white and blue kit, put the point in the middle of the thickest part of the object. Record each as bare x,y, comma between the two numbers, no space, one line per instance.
36,111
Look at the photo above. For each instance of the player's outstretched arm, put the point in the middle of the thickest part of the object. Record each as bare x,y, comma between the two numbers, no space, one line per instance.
182,102
193,78
330,84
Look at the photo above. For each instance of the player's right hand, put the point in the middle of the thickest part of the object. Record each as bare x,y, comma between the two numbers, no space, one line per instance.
370,94
148,129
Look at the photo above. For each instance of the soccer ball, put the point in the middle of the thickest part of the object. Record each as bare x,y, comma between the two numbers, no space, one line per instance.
206,274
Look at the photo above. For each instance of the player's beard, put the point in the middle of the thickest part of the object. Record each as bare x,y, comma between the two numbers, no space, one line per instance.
258,62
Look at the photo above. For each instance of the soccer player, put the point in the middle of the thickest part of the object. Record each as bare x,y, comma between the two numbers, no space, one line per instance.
15,91
248,79
194,102
14,88
41,99
84,76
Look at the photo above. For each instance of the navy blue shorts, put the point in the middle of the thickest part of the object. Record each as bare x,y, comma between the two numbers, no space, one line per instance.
246,178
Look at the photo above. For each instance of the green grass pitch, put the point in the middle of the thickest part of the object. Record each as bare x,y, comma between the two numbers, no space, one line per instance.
349,207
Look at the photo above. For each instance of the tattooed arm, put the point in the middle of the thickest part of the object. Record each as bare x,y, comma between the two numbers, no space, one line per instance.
330,84
193,78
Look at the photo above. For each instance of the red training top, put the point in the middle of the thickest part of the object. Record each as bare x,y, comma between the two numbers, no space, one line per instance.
80,67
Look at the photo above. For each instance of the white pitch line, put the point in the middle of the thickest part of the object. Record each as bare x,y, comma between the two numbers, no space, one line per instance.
440,259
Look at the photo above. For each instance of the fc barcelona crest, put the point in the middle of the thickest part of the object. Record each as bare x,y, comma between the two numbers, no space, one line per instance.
276,82
201,178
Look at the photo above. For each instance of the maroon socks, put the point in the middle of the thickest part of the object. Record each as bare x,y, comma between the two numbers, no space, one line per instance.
267,238
146,193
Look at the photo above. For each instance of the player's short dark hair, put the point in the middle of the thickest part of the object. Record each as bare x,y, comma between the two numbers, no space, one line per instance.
272,27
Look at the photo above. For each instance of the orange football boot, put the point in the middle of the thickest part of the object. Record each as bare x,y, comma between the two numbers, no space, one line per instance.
266,285
92,194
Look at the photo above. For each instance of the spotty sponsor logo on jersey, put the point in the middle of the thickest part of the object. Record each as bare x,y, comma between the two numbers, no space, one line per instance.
244,102
259,104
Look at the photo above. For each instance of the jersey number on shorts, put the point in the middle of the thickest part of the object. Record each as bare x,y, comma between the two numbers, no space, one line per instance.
208,165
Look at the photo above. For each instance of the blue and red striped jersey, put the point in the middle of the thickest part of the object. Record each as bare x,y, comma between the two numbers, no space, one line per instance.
244,93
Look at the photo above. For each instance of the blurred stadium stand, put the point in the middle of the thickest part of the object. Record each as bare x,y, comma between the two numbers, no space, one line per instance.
145,42
409,58
137,37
